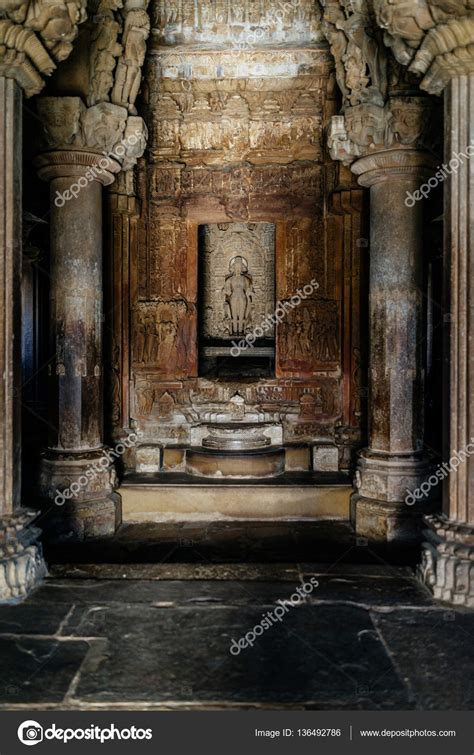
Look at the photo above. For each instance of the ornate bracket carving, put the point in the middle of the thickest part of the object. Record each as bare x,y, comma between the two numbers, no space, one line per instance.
35,36
435,38
372,118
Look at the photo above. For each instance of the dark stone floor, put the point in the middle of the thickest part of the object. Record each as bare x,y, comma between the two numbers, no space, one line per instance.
226,542
157,635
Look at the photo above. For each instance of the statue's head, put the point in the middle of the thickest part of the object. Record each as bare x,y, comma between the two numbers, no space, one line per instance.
238,265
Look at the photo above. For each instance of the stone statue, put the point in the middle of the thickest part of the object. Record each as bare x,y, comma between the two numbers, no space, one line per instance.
238,290
129,67
104,49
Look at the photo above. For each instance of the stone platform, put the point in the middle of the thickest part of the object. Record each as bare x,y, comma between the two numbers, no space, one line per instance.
181,497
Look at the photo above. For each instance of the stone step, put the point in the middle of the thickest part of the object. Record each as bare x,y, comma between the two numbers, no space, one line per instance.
182,497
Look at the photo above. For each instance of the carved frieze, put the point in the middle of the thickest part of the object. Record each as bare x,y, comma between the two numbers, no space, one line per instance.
241,25
173,182
215,128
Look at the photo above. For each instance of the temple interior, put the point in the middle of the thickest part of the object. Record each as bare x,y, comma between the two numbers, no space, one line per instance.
237,318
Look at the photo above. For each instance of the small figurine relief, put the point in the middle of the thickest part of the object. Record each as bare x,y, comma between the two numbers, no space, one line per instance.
239,292
164,336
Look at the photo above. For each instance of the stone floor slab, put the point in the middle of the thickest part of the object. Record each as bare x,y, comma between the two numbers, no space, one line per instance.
324,654
434,651
38,670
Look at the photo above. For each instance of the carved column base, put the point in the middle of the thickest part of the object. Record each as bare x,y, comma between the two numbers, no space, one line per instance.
79,490
21,557
378,509
447,563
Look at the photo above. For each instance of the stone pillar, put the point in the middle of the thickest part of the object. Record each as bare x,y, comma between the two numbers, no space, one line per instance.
394,462
436,41
448,554
74,474
31,46
21,564
78,474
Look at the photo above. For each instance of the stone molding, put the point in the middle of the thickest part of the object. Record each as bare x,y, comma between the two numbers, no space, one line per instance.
74,163
393,164
35,36
447,564
386,478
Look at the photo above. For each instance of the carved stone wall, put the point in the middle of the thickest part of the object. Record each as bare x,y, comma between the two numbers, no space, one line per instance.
236,137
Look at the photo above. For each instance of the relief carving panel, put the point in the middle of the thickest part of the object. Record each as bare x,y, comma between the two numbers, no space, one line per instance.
308,338
164,337
238,277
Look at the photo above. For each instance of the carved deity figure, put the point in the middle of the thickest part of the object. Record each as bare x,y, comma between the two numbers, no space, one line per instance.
104,50
238,291
128,73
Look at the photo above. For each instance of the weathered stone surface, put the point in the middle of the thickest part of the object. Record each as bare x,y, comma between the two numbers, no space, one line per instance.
37,670
430,632
319,670
86,642
366,589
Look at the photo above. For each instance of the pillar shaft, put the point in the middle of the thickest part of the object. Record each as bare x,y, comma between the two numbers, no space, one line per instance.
396,394
459,251
76,317
21,564
10,317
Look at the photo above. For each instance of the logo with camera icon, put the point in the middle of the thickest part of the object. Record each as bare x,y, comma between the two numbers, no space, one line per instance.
30,733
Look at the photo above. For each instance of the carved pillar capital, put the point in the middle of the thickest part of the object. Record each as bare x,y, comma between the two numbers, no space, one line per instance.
95,142
403,124
435,39
35,36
